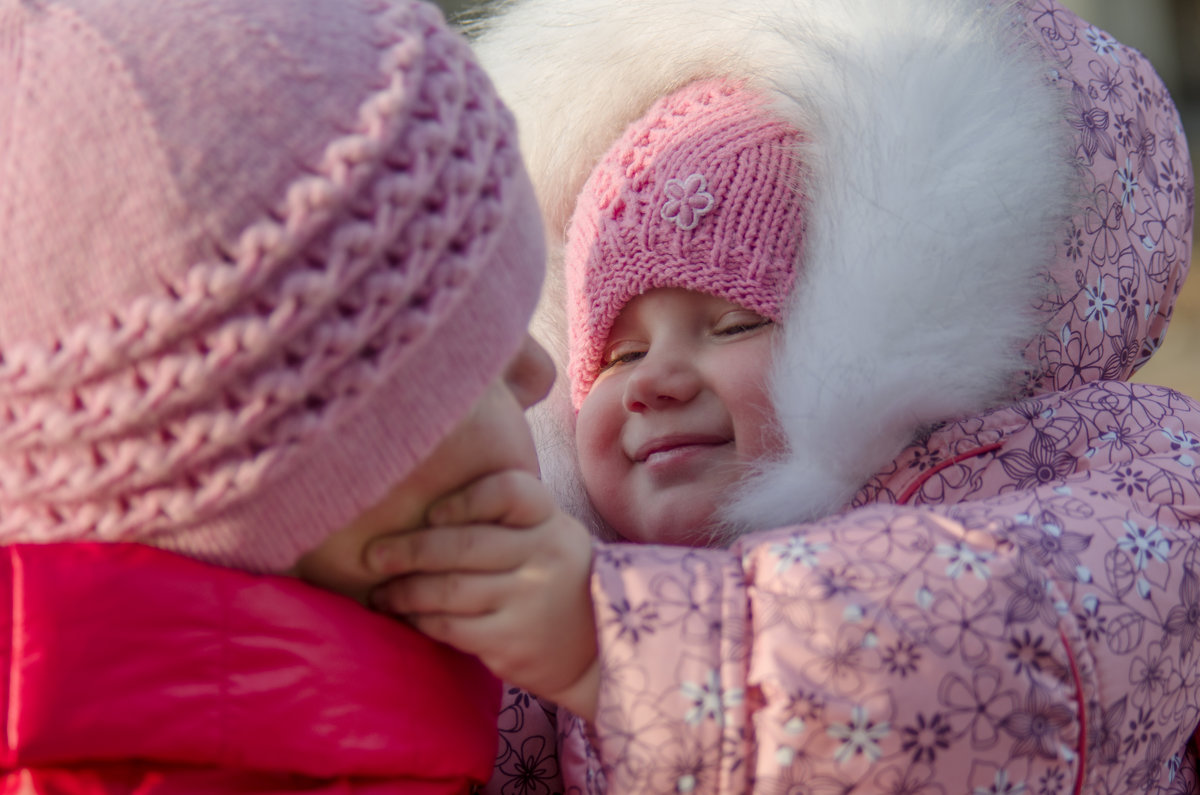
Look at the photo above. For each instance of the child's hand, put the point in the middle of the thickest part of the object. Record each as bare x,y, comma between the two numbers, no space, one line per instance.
501,573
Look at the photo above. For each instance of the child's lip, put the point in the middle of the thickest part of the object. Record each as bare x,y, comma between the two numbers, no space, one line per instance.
662,444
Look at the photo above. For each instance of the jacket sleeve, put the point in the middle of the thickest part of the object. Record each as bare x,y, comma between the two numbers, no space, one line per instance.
1041,639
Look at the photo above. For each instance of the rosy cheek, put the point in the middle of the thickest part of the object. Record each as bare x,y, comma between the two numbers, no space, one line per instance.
598,437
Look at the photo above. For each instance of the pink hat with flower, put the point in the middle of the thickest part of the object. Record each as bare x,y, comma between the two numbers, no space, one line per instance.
703,192
259,257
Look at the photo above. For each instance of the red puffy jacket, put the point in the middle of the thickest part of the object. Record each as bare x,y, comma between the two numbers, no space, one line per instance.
131,670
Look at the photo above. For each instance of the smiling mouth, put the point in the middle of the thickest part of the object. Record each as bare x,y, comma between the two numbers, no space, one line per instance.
659,449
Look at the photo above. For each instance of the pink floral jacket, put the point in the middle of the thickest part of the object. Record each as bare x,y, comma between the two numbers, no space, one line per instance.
1010,606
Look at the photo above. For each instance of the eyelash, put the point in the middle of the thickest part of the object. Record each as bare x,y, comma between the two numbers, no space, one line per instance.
730,331
742,328
625,358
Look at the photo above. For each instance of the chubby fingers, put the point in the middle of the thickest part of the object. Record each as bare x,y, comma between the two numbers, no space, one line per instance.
457,548
510,497
438,597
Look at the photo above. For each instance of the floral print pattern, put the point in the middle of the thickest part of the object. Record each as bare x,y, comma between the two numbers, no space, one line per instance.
1011,606
998,632
1121,260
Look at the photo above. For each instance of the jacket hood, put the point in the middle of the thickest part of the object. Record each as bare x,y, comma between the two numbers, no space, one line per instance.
1000,203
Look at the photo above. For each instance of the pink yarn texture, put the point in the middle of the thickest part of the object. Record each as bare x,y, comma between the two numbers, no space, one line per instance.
252,253
704,192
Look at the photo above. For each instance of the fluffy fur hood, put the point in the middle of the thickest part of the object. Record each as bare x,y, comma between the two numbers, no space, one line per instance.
950,177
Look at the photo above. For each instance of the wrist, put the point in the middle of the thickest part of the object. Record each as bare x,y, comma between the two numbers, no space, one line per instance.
582,696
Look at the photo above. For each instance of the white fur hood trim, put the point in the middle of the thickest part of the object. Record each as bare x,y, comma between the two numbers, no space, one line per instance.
939,172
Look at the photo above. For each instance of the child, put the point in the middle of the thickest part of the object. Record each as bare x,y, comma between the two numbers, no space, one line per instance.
252,256
995,588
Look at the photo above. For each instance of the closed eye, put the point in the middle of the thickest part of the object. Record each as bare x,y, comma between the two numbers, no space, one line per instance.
617,358
742,327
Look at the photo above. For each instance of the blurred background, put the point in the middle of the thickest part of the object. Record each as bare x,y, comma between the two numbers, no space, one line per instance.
1168,33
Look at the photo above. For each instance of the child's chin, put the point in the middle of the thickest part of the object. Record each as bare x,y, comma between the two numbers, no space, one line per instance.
674,528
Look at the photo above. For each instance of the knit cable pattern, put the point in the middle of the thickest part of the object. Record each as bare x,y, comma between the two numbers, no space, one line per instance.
714,143
165,411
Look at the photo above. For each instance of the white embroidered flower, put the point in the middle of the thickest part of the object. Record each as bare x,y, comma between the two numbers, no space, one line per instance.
687,201
860,736
964,559
1100,305
709,700
1101,42
1144,544
796,549
1002,786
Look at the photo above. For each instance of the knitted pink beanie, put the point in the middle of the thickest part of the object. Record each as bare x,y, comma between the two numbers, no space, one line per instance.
703,192
258,257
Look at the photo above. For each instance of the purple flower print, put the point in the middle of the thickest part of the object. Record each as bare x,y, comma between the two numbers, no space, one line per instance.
1141,729
1122,438
914,780
902,659
925,737
860,736
1135,135
1184,619
805,707
1146,775
709,699
532,770
1101,42
1181,441
687,601
1092,624
1104,220
1074,242
1002,786
1128,302
1092,124
1099,304
1173,180
1144,95
1053,547
1056,24
958,626
1042,463
1038,726
1129,186
1170,132
1162,226
687,767
687,201
983,702
1106,84
1105,735
1052,782
1030,655
1144,544
1080,364
1126,347
1153,676
633,620
1129,480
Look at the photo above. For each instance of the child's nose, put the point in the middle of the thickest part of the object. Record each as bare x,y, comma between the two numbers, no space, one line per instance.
660,381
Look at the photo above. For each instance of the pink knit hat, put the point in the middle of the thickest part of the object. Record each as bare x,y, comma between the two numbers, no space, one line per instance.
703,192
258,257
